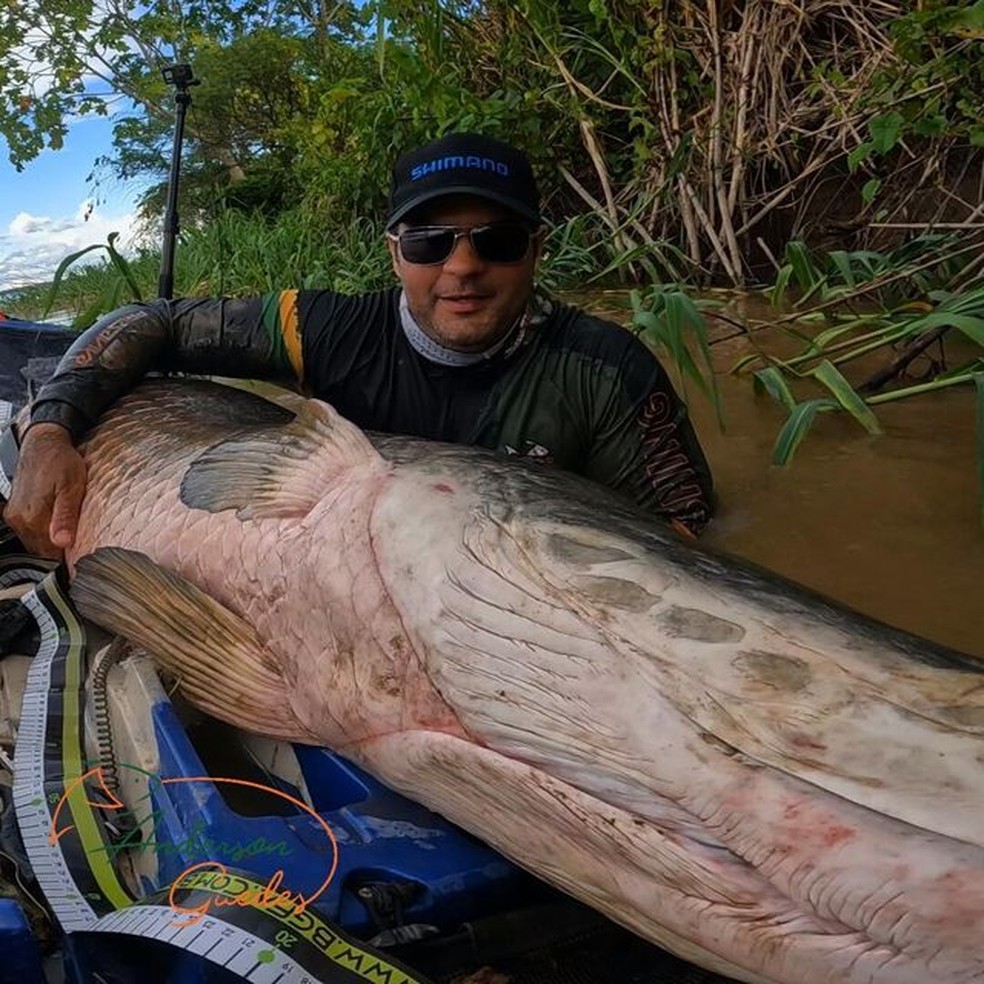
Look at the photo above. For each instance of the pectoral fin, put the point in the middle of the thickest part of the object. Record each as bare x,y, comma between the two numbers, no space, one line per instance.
281,471
221,666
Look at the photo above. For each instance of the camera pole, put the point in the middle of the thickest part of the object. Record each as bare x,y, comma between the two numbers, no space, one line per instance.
181,77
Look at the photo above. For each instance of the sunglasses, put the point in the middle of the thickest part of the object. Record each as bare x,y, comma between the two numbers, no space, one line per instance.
504,242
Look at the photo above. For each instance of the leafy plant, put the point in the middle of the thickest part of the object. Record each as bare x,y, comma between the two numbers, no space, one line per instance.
903,332
912,270
119,286
670,321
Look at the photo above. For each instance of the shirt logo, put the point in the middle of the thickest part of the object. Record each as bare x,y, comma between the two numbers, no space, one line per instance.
530,450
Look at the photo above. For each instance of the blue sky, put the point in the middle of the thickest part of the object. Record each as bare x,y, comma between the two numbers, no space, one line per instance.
43,208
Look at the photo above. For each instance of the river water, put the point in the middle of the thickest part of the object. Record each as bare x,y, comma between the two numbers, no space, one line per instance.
890,525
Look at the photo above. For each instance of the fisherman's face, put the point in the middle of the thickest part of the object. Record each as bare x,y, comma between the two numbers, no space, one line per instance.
465,303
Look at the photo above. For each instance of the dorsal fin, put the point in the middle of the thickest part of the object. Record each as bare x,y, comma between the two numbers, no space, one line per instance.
279,471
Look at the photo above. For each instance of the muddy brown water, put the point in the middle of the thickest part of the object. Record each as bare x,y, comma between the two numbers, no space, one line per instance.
889,524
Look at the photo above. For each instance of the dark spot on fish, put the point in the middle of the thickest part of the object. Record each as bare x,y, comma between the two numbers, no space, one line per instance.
869,782
799,740
388,683
442,487
835,835
501,693
691,623
576,552
719,743
618,593
788,673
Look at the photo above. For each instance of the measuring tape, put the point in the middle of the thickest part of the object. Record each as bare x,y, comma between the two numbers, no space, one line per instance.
264,943
74,871
278,945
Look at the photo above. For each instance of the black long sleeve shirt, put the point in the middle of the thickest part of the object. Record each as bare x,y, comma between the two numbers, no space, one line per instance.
571,389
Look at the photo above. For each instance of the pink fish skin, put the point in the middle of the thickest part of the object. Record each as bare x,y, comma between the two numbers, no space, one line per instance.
766,784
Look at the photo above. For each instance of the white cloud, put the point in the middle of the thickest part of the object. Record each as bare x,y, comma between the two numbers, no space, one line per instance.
32,245
26,224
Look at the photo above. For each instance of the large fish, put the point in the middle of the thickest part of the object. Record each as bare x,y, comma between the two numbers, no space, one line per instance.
763,783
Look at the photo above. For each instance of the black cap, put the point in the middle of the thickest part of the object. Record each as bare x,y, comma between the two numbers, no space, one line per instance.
464,164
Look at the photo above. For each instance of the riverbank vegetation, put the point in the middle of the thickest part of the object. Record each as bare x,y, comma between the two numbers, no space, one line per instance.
830,152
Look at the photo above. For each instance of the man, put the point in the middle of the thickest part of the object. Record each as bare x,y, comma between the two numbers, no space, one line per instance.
466,350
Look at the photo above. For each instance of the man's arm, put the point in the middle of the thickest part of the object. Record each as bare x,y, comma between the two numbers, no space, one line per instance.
644,445
252,337
245,337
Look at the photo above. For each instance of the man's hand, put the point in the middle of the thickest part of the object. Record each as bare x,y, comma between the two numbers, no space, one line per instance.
47,491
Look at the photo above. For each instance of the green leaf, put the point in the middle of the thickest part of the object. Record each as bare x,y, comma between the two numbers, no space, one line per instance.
778,291
672,321
60,273
681,311
842,261
931,126
846,396
976,135
804,269
968,22
885,131
824,338
972,327
974,366
869,190
858,156
772,381
796,427
123,267
744,361
651,328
